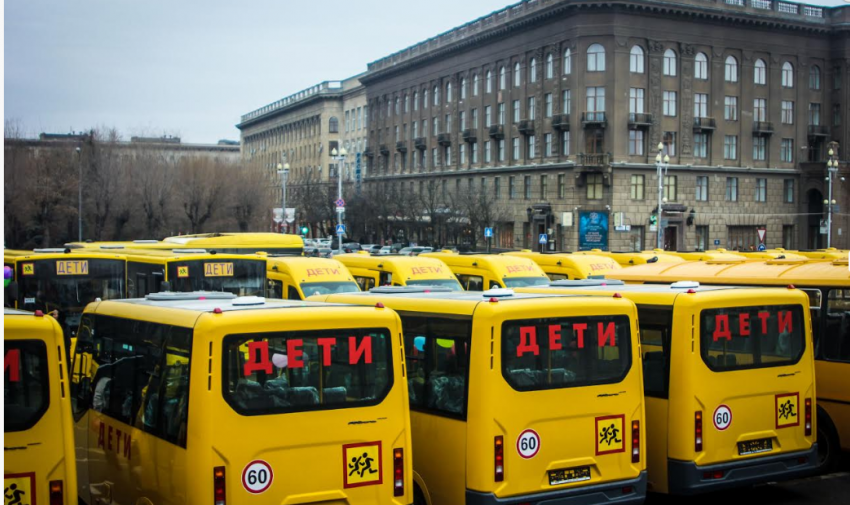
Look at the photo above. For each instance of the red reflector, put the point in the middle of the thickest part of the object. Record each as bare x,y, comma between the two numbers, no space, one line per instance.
39,313
219,488
379,305
698,431
494,300
808,426
217,310
499,458
617,295
635,441
802,460
791,286
57,496
718,474
691,291
627,490
398,472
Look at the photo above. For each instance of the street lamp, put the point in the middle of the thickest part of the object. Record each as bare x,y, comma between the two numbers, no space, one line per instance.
79,197
340,157
832,169
662,162
283,171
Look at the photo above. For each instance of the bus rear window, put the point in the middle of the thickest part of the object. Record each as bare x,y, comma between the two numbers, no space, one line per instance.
26,384
565,352
738,338
284,372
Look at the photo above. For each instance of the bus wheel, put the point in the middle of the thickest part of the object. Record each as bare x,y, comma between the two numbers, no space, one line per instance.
829,449
418,496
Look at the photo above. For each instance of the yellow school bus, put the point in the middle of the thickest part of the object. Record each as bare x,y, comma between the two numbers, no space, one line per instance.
713,254
296,278
370,271
520,398
479,272
234,243
828,285
627,259
38,438
729,382
772,254
561,266
209,398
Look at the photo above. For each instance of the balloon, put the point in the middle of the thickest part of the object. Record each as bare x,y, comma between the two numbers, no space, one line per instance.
419,343
280,360
7,276
445,343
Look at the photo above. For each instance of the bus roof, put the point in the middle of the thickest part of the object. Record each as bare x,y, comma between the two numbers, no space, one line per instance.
586,263
182,254
276,240
502,266
48,254
713,254
422,267
8,311
633,258
212,301
299,267
647,293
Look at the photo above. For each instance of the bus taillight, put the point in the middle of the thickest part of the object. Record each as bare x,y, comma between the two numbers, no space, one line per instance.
698,431
398,472
808,417
219,486
499,455
57,495
635,441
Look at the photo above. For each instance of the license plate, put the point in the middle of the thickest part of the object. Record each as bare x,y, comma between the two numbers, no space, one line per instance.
755,446
566,475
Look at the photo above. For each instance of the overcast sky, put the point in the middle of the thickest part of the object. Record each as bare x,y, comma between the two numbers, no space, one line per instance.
192,67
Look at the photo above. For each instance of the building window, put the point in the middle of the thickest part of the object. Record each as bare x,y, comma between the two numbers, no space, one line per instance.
425,102
701,145
700,105
500,110
497,188
836,115
547,142
596,99
596,58
731,67
566,101
463,88
500,146
562,189
814,77
730,108
565,143
489,80
515,148
474,84
637,187
788,190
511,188
702,238
531,108
531,147
448,123
636,100
527,187
702,188
474,149
759,109
547,101
836,78
475,118
635,237
636,60
787,112
670,103
333,125
636,142
462,120
730,147
787,75
761,190
488,116
447,156
503,78
516,111
742,238
347,121
568,62
594,186
532,70
786,151
517,75
488,155
550,66
759,148
435,161
461,152
670,63
731,189
760,73
701,67
788,236
670,189
544,186
435,126
814,114
668,142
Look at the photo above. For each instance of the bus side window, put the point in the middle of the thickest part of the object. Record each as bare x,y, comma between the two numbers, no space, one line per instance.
366,283
558,277
836,336
81,368
275,289
386,279
471,282
292,293
494,285
655,326
165,400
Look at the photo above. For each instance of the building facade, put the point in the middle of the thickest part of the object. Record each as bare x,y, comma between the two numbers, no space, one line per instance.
556,109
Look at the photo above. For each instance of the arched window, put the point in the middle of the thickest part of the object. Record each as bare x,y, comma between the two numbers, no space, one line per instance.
425,101
448,92
701,66
596,58
550,66
669,62
475,85
568,62
503,78
489,82
532,70
389,107
636,60
396,106
787,75
760,72
406,103
463,88
415,100
517,75
814,77
731,74
333,125
436,95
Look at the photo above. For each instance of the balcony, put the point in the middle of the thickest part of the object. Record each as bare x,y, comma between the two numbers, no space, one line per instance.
384,150
497,131
594,160
470,135
526,127
444,139
704,124
639,120
818,130
762,128
401,146
594,120
420,143
561,122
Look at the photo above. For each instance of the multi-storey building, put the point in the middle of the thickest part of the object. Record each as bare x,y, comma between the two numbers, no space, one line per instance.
555,108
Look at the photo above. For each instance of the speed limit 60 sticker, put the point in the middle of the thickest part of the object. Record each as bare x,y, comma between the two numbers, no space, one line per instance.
257,476
722,417
528,444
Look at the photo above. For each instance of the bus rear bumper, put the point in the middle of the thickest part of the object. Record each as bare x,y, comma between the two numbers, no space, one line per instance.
687,478
630,492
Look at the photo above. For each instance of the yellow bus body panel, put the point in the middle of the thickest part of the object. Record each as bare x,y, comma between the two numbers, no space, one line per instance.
294,271
494,269
401,269
570,266
627,259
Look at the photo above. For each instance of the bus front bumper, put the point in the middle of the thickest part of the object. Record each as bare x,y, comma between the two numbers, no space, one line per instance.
687,478
630,492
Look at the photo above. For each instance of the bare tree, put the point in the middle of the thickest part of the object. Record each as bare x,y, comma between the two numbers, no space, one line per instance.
250,196
154,179
202,184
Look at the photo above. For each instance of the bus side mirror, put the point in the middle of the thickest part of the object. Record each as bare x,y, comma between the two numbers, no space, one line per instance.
165,286
13,290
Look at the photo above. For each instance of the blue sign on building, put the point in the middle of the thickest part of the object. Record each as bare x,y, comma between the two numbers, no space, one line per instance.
488,232
544,238
593,231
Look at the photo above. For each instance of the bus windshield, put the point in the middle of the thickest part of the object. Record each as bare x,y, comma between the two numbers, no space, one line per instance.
524,282
329,288
26,393
240,277
737,338
284,372
565,352
443,283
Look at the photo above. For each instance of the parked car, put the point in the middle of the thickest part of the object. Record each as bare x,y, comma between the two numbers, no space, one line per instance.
383,251
325,252
415,251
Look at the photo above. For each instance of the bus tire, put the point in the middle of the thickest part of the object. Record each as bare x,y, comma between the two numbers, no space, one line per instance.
829,447
418,496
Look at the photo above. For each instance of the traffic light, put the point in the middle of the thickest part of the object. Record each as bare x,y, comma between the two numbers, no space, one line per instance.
305,230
